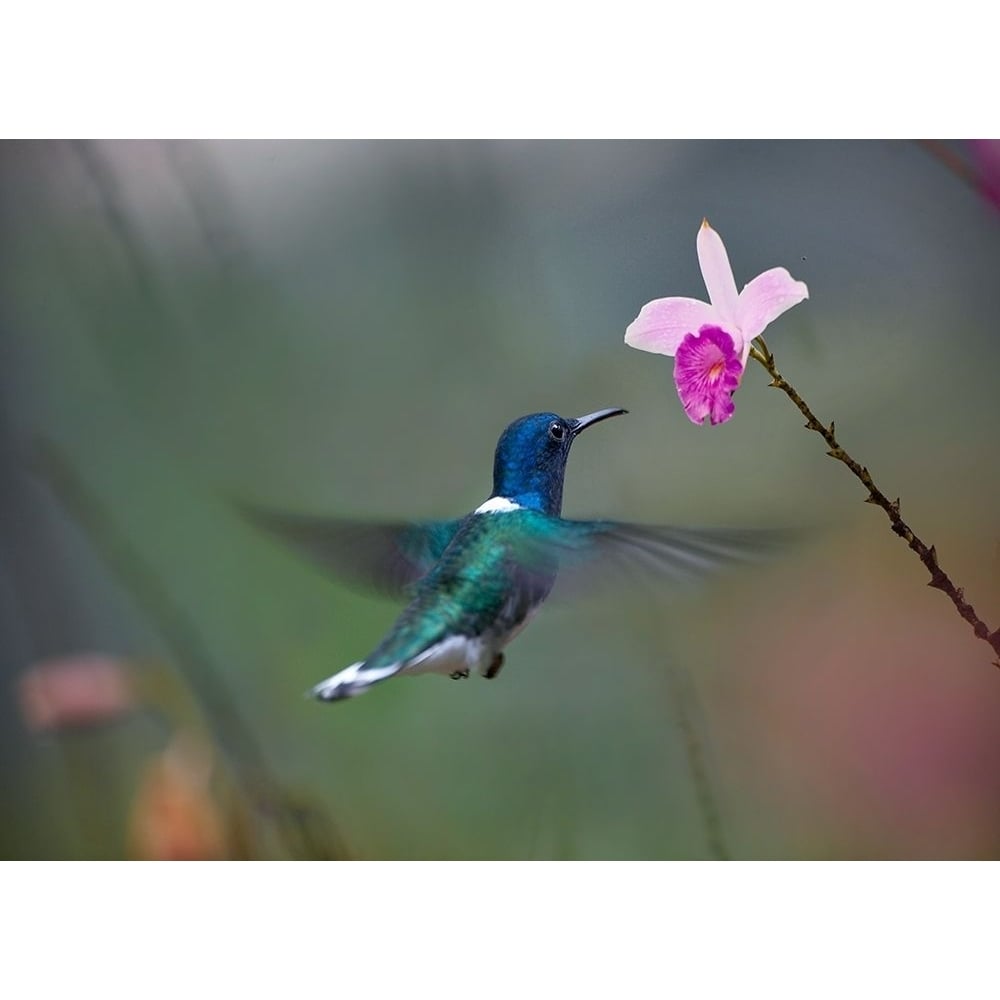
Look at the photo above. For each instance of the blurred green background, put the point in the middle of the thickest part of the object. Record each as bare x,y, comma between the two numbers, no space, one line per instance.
345,328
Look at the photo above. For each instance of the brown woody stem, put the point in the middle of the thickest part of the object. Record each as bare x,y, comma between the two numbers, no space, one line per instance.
927,554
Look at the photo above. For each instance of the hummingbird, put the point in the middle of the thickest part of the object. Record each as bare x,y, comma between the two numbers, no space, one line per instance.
473,583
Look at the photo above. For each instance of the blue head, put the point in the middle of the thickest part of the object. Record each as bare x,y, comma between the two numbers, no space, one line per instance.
530,462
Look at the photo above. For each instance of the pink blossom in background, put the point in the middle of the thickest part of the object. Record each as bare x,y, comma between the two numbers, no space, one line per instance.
75,691
986,155
175,815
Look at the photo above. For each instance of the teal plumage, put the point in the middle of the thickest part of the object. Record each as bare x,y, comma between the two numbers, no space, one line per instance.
473,583
482,587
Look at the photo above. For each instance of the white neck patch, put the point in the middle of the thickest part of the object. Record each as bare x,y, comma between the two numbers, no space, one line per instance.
497,505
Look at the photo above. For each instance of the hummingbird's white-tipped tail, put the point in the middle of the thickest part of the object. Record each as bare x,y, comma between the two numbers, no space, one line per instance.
456,657
352,681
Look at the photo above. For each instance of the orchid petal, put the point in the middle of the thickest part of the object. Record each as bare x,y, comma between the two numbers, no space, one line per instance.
718,274
765,298
662,324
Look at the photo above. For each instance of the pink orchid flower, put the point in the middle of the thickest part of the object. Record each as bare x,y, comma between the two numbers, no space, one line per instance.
710,341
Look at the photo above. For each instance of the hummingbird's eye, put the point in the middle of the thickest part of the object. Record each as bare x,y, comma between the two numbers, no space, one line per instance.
556,431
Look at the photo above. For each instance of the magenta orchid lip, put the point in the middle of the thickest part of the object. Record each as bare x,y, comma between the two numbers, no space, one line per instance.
707,371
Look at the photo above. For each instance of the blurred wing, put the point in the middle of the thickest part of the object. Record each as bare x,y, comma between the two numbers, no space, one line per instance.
593,555
385,557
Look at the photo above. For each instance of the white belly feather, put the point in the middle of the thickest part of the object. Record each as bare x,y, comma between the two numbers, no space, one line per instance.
456,654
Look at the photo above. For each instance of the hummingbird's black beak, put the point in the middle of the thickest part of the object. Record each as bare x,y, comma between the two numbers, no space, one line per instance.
592,418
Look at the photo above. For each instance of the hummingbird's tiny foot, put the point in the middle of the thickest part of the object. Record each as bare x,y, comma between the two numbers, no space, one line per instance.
494,667
460,675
